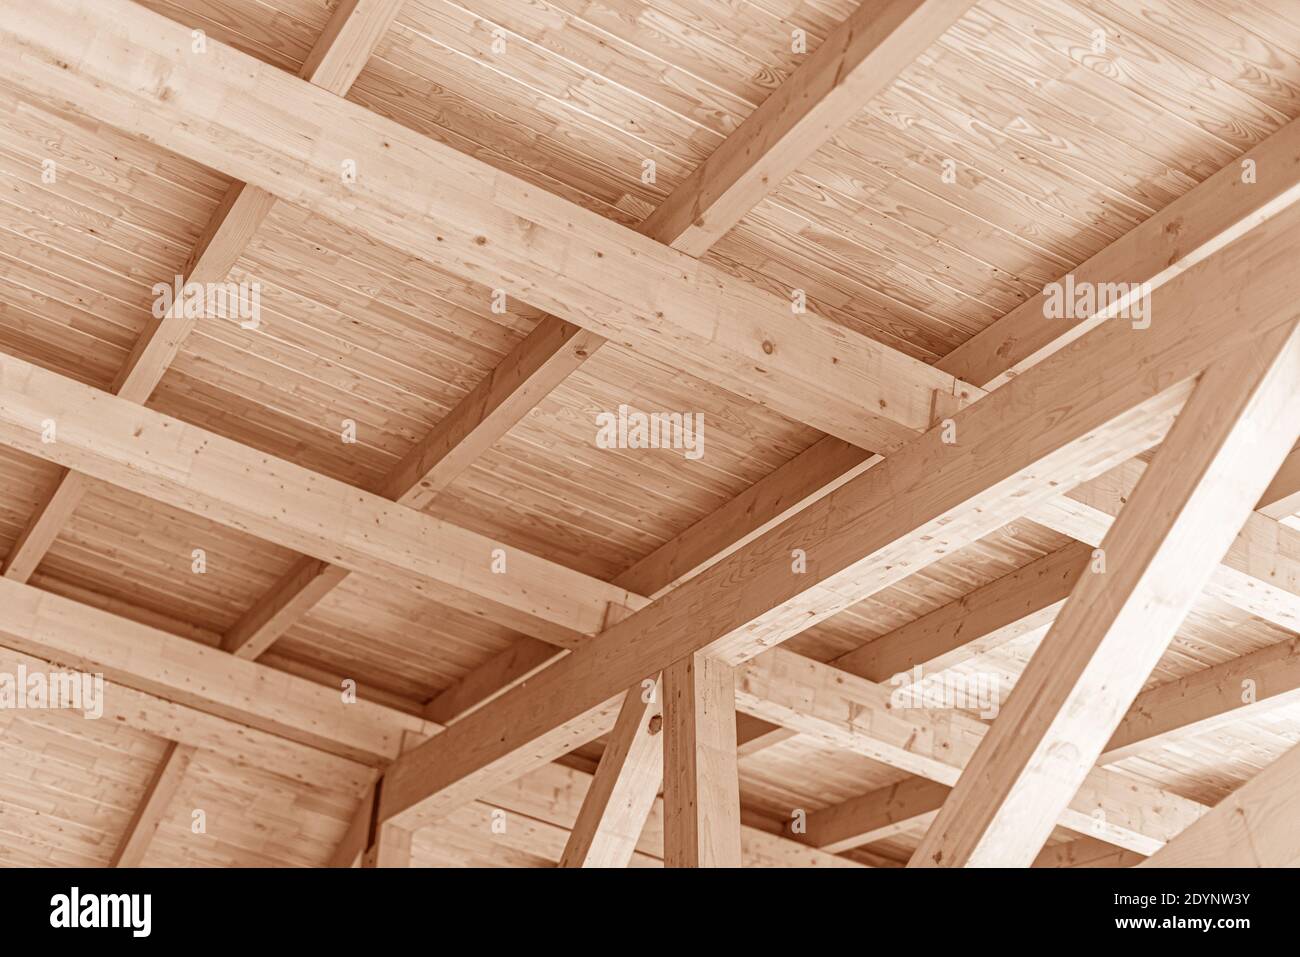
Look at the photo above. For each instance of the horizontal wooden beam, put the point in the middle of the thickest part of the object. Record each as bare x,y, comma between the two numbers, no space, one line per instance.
216,478
233,740
874,816
54,628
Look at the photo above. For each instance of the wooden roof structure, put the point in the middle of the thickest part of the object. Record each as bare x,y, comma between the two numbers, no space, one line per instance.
967,535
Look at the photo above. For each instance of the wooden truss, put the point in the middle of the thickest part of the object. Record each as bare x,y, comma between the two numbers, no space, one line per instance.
677,661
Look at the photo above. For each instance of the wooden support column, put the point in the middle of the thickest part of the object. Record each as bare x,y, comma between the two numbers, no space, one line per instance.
701,787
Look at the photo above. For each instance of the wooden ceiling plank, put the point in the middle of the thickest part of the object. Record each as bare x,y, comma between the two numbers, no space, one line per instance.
153,805
1253,826
1123,387
1240,422
858,59
335,60
571,262
700,772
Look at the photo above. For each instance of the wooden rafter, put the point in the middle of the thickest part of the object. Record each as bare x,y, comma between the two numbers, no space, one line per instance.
855,61
153,805
1238,425
191,674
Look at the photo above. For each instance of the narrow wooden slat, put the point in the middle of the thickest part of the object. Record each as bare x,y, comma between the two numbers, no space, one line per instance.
149,813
